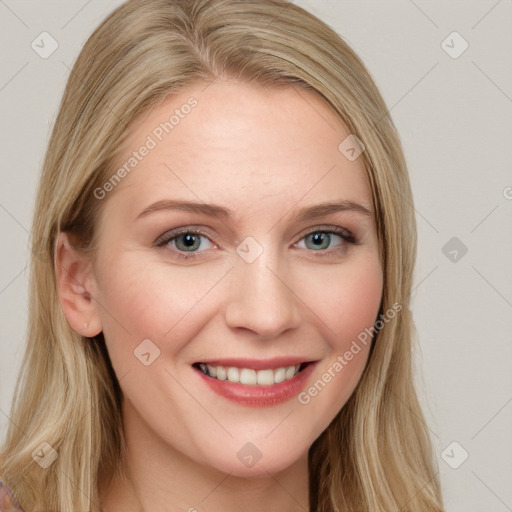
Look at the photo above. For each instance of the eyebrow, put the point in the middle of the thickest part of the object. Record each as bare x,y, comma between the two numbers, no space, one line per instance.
213,210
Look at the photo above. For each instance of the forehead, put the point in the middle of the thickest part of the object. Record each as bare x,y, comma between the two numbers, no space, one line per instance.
241,145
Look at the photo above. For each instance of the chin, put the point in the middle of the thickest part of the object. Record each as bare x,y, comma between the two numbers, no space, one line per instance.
253,460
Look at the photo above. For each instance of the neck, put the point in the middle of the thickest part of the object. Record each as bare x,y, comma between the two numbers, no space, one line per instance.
157,476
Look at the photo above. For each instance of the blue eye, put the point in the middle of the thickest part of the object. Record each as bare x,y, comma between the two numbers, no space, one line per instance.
324,242
186,241
320,240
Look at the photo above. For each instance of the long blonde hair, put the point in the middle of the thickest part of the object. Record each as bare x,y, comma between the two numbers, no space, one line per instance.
376,455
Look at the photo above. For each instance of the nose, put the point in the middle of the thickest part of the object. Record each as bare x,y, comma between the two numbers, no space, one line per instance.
261,297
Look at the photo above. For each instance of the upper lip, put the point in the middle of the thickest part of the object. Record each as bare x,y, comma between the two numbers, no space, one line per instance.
258,364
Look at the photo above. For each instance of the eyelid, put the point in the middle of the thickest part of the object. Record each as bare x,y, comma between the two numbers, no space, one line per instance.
173,233
326,228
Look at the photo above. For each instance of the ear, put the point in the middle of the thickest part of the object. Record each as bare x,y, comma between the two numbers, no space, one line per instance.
76,287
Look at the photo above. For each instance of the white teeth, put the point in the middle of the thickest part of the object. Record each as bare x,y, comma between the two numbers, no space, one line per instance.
290,371
233,374
265,377
279,375
249,376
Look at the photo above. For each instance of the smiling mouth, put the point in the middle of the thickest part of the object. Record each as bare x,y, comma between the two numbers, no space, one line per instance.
249,376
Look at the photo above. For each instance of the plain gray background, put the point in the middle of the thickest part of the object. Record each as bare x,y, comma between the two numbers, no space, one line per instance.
453,110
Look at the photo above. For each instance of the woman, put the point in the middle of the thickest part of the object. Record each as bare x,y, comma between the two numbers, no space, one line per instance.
223,256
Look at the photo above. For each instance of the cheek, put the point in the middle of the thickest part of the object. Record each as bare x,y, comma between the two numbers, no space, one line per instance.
351,300
346,299
142,299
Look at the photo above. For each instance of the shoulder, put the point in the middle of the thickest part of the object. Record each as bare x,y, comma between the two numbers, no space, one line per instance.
8,502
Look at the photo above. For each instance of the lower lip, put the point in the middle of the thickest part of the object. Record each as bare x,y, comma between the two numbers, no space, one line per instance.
259,396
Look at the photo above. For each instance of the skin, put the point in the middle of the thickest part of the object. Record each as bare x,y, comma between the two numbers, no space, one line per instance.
265,154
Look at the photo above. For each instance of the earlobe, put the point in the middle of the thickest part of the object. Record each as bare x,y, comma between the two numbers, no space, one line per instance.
76,287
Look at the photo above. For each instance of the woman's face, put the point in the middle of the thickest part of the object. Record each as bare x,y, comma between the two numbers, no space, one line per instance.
258,278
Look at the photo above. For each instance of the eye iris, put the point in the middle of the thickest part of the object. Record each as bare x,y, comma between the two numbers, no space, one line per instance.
319,240
190,242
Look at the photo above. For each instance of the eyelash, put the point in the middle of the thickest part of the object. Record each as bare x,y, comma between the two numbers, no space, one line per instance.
347,237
